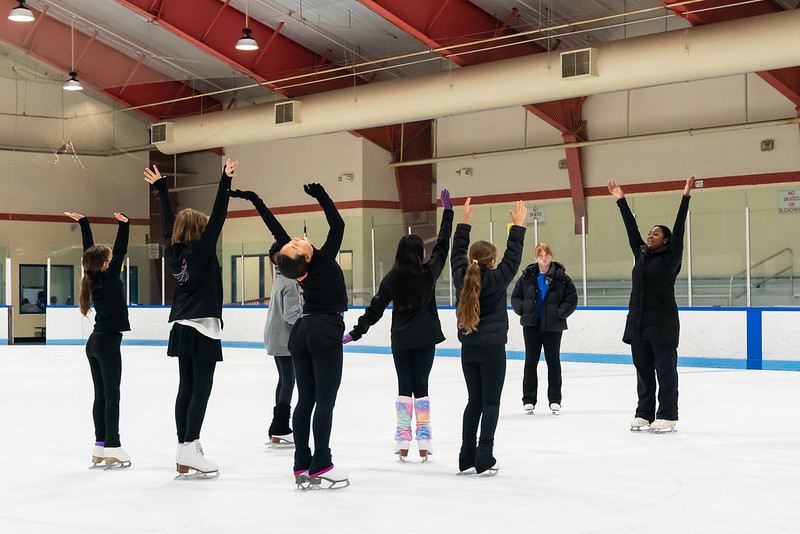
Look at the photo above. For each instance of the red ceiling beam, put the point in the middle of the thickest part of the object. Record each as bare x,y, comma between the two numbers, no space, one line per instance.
101,67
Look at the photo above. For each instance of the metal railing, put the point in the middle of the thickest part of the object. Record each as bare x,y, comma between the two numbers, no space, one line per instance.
766,279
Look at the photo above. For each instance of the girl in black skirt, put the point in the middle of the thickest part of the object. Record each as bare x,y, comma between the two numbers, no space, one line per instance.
190,248
101,285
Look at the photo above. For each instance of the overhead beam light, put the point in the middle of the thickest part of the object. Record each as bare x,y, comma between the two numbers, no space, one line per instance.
246,42
21,13
73,84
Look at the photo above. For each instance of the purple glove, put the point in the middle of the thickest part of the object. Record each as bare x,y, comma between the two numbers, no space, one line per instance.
347,338
446,204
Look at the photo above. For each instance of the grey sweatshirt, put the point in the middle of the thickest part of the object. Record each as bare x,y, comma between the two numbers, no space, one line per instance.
284,309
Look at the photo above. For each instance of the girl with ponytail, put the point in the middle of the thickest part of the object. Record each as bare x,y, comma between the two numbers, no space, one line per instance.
481,309
101,285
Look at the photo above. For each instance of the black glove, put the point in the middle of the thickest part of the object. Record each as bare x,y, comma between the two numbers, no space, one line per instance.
247,195
314,190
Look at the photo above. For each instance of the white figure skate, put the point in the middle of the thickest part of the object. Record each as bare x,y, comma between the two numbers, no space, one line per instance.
555,408
116,458
528,408
191,457
663,426
98,457
401,449
639,424
425,449
330,478
281,442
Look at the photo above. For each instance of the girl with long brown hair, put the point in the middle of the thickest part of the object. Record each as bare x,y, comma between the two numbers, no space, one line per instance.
101,285
481,309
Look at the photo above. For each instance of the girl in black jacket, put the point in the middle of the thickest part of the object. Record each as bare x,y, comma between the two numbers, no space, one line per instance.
481,310
190,248
543,297
101,285
415,327
652,327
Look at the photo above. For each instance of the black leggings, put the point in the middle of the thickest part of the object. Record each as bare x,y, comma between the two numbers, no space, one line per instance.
534,340
413,368
484,372
316,347
653,359
105,362
285,388
194,389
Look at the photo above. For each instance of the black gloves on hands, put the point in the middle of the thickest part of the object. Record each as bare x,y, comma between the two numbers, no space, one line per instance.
247,195
314,190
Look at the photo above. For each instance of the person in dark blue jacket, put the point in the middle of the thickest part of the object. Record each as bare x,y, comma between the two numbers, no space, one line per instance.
543,297
481,287
416,329
652,328
190,249
101,285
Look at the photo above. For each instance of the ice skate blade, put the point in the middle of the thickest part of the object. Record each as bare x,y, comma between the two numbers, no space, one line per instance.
98,466
280,446
323,483
198,475
117,465
492,471
467,472
302,481
669,430
645,428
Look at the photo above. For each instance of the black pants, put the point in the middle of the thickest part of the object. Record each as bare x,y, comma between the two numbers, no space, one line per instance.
316,346
413,368
484,372
653,359
194,389
535,339
105,362
285,388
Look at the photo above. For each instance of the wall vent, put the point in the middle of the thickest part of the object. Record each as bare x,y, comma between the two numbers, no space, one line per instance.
579,63
161,132
287,112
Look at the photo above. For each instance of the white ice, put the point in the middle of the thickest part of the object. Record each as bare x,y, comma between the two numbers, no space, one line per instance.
733,465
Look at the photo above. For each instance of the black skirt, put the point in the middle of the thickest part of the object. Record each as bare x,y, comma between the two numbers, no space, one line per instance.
187,341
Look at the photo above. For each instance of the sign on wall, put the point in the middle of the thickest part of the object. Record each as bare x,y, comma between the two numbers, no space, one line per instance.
534,213
789,201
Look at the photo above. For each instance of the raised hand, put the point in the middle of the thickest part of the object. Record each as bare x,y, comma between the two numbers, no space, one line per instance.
230,168
347,338
314,190
687,189
519,213
247,195
120,217
74,216
445,197
467,211
615,190
153,176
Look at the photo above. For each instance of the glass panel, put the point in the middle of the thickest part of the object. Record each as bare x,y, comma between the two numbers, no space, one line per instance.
62,284
145,262
608,256
32,294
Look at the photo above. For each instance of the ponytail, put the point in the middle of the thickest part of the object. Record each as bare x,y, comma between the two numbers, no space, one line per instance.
93,259
468,309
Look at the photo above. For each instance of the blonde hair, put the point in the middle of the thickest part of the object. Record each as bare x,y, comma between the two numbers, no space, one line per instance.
468,309
189,225
92,261
543,247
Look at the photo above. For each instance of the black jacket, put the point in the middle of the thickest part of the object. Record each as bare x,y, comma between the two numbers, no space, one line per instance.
560,300
652,311
418,326
108,295
194,265
493,326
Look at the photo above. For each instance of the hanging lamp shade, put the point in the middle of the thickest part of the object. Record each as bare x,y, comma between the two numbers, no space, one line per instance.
73,84
21,13
246,42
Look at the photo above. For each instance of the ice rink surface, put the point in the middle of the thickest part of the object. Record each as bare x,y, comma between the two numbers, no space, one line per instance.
733,465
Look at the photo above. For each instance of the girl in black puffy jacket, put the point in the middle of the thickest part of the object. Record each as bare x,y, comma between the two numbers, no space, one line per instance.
543,297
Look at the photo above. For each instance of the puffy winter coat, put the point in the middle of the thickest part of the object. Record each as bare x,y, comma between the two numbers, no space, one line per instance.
560,300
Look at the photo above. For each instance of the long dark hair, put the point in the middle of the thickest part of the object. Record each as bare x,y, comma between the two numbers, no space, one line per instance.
409,280
92,261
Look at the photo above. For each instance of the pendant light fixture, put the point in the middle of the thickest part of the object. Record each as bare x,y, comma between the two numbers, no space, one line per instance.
21,13
246,42
72,84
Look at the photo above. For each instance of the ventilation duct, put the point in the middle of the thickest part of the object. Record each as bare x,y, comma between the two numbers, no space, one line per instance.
287,112
579,63
723,49
161,133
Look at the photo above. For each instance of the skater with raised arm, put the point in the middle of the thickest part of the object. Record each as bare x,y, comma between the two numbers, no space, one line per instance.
543,297
416,329
190,249
101,285
481,288
652,327
284,310
316,338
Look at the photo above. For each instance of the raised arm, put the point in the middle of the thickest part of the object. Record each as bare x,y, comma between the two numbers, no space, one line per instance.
442,247
86,230
335,222
275,227
220,210
154,178
676,247
634,237
512,257
120,244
